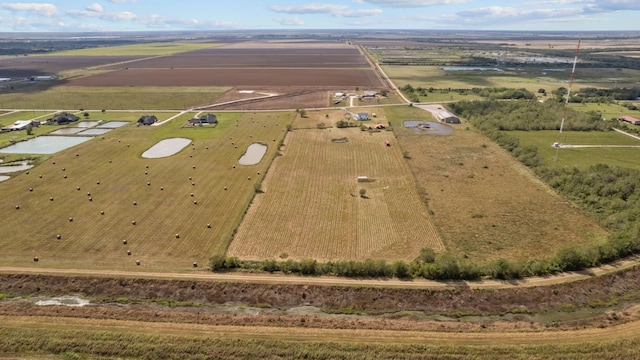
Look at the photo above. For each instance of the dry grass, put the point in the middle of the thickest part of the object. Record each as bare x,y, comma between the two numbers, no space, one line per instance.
312,205
94,240
486,204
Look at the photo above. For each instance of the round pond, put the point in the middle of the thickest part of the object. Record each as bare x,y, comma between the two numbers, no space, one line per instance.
253,155
166,147
428,127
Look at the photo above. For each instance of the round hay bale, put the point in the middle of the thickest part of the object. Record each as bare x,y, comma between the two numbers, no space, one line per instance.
133,222
148,183
65,176
64,169
30,189
27,172
192,195
248,177
109,161
135,203
193,184
77,154
70,219
40,176
146,173
58,236
208,226
124,242
17,207
51,198
88,194
98,182
190,156
195,202
128,145
177,236
128,252
194,166
189,177
234,166
138,262
161,188
36,259
195,264
225,188
101,212
53,162
146,166
90,199
78,188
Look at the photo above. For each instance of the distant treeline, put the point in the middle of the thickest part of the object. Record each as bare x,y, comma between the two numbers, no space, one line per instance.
595,95
503,93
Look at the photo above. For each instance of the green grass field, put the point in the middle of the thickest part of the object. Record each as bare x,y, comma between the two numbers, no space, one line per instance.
111,98
583,157
148,49
164,206
608,111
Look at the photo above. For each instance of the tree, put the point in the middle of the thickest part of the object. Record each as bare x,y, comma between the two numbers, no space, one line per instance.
86,114
363,193
302,112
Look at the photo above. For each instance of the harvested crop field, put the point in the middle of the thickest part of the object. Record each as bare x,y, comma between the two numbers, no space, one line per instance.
171,211
247,64
314,206
486,204
233,77
23,66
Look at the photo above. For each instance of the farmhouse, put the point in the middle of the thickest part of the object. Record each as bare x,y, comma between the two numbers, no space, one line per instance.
447,117
206,119
64,118
42,78
147,120
20,125
361,116
630,119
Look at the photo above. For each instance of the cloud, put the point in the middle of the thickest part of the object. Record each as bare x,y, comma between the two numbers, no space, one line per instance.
612,5
329,9
411,3
289,21
95,7
46,10
122,1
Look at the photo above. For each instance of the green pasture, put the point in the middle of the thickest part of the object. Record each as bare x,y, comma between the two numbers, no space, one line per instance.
116,98
608,111
160,188
150,49
532,79
582,157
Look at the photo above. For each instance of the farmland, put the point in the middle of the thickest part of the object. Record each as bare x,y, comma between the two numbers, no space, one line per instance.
458,194
312,207
117,187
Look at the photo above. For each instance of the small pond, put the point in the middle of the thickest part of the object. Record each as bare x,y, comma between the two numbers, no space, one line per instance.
166,147
45,144
254,154
67,131
15,167
88,124
4,177
113,124
96,131
429,127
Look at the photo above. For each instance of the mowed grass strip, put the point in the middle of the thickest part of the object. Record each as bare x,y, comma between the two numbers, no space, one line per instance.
149,49
312,207
486,204
116,98
628,157
158,197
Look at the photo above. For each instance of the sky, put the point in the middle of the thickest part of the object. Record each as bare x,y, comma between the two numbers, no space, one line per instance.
150,15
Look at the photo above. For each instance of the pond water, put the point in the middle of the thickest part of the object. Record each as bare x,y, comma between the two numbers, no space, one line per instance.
45,144
4,177
166,147
96,131
67,131
113,124
429,127
468,68
254,154
15,167
88,124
